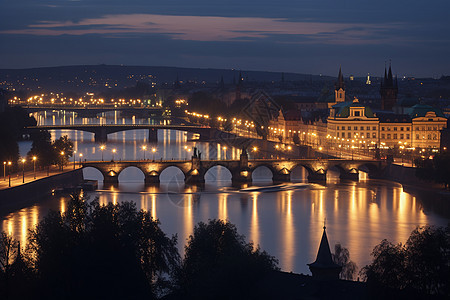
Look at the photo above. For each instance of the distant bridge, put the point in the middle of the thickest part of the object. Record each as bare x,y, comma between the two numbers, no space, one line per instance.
241,170
94,110
101,131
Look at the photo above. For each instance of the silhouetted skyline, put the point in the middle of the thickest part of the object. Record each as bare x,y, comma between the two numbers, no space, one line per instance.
291,36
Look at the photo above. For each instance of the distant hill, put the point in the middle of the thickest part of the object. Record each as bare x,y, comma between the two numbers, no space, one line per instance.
100,77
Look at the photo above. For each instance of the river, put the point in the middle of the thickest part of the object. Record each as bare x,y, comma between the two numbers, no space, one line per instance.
287,224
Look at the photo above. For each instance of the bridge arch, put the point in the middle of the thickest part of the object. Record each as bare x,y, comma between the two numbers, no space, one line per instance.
93,173
171,173
263,172
131,174
300,172
218,171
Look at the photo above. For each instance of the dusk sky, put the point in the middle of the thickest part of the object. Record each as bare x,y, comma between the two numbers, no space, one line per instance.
286,35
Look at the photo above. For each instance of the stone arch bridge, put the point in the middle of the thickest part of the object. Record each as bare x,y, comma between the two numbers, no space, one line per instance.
241,170
101,131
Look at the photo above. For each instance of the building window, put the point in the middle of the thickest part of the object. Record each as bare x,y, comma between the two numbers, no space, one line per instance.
417,137
395,136
401,136
407,136
401,128
374,127
429,127
407,128
429,136
382,128
395,128
337,128
434,128
349,127
382,135
388,128
434,136
388,136
368,128
349,135
417,129
374,135
362,127
355,127
338,134
356,113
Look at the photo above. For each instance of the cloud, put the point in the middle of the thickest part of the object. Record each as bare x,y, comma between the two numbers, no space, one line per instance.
208,28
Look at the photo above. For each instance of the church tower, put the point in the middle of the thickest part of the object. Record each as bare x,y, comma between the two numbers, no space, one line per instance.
339,91
388,90
324,268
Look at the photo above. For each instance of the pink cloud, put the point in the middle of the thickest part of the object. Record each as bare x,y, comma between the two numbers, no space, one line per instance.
197,28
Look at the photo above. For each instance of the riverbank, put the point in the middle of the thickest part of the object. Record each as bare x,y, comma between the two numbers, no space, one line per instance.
17,197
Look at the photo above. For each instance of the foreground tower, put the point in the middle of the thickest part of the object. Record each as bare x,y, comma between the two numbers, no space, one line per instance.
324,268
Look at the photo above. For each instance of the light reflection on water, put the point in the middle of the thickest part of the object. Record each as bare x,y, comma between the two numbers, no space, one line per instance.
287,224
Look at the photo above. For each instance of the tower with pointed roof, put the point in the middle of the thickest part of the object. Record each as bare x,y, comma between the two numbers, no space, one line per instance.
324,268
388,90
339,90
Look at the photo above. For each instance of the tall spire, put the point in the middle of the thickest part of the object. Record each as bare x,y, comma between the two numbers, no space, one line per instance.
324,268
340,83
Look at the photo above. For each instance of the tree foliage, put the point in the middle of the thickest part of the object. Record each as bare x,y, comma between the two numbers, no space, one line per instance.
94,247
12,121
435,168
218,264
341,256
47,152
422,264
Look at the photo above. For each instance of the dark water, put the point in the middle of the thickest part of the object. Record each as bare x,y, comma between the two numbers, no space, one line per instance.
287,224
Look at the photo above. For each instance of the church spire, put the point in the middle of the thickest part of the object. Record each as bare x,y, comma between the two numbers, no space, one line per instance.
340,83
339,91
324,268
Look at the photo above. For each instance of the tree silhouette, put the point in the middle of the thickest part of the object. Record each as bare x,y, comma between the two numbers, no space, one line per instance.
422,264
218,264
113,251
341,256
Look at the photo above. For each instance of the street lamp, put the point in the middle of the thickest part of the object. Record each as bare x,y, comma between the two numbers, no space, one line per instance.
62,160
4,171
23,170
9,173
74,158
34,166
81,156
102,147
144,148
113,152
153,151
225,152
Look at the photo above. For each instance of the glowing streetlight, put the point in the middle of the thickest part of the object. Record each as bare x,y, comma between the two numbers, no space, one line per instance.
74,158
113,152
144,148
102,147
4,171
153,151
23,170
62,160
34,166
9,173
